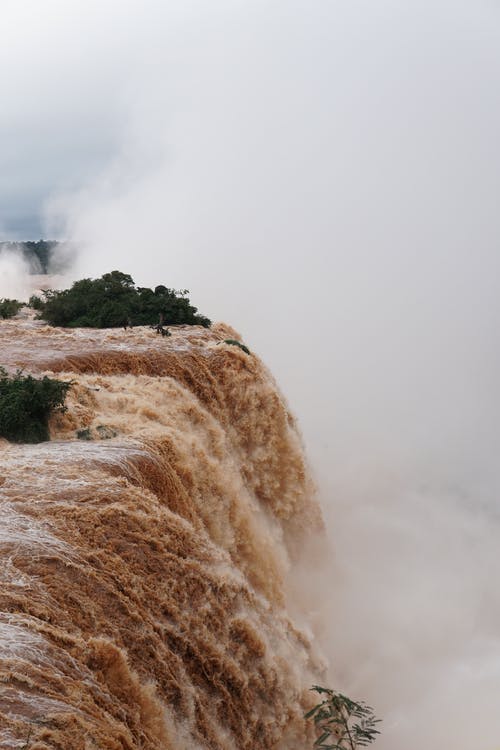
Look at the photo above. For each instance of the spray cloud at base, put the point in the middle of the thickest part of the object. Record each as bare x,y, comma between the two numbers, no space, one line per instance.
14,276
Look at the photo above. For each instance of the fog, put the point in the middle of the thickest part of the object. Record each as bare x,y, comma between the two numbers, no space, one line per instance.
325,177
15,279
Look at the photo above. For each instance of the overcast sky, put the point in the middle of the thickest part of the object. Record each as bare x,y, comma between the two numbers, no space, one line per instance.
399,96
325,176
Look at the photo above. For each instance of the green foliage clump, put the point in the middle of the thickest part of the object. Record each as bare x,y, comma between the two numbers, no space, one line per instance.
114,301
35,302
233,342
84,434
26,404
342,723
9,308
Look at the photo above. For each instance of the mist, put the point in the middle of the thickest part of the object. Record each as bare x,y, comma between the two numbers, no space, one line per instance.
15,276
324,177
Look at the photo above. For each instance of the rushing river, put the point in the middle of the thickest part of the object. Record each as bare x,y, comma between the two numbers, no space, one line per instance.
144,549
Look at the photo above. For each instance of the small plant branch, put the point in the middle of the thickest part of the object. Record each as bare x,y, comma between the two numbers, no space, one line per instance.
341,723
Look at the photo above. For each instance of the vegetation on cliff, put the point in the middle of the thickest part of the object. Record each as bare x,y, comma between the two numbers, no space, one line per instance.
341,723
26,404
9,307
233,342
113,301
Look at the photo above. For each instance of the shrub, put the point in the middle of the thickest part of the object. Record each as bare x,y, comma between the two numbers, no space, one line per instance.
26,404
233,342
113,301
35,302
9,308
342,723
84,434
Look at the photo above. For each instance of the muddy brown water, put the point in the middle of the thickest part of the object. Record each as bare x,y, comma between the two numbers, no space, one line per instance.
142,600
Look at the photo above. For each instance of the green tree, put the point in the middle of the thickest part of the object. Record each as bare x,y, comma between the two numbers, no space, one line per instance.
9,308
26,404
342,724
233,342
113,300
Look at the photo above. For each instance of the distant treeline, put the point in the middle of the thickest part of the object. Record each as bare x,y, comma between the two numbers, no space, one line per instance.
37,254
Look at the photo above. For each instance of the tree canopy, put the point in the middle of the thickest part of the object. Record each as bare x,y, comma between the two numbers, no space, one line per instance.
112,301
9,307
26,404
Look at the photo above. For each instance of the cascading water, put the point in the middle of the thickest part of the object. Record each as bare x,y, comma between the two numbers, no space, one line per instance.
142,598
